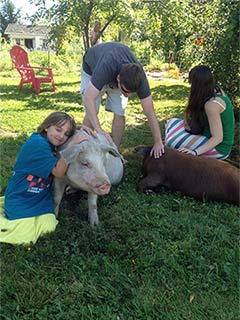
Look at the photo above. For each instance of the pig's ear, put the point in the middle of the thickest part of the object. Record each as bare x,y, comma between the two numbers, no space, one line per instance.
143,150
113,150
70,154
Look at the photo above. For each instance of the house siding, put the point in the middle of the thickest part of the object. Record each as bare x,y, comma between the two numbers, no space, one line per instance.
31,37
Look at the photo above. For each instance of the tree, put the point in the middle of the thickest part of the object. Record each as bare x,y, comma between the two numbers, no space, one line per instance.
8,14
193,31
223,48
213,39
80,16
198,31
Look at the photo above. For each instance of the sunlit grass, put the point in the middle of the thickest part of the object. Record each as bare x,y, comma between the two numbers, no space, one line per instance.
152,257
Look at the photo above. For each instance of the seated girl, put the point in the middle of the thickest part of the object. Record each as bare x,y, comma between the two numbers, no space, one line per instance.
208,125
26,211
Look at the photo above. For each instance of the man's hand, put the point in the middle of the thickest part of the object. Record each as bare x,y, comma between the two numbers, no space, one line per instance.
89,131
157,150
107,135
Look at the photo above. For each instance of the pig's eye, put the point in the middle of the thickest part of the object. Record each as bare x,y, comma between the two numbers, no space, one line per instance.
85,164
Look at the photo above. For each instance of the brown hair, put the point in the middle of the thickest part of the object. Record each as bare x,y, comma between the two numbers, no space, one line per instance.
131,76
202,89
57,118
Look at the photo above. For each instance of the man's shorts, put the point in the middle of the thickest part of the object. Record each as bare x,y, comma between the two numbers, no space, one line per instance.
116,102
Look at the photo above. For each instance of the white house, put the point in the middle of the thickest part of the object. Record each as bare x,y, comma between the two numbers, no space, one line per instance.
32,37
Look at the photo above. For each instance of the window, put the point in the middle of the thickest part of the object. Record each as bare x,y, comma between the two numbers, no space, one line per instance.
44,44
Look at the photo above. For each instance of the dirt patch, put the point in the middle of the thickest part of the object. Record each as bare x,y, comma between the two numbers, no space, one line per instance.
156,75
163,75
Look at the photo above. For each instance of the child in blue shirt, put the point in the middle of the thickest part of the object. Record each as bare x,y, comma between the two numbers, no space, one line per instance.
26,211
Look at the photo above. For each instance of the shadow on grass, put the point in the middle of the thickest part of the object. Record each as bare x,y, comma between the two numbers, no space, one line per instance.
47,99
167,246
64,84
166,92
9,148
170,92
136,133
11,92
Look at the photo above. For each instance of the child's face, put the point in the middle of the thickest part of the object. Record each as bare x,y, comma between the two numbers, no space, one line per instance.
58,134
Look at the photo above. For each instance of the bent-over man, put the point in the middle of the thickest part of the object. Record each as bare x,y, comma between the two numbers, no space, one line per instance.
113,69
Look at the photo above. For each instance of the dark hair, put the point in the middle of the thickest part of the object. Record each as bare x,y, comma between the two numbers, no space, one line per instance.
57,118
131,76
202,89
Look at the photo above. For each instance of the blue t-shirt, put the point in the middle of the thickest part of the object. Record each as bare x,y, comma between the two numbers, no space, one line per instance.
29,191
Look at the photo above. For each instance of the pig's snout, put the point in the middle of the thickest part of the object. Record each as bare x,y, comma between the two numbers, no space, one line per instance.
104,189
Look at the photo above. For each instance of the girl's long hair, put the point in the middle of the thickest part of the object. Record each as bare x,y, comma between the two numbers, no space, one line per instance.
202,89
58,118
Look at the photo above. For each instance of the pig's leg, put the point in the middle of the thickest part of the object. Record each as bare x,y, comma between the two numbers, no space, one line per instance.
149,182
58,190
92,209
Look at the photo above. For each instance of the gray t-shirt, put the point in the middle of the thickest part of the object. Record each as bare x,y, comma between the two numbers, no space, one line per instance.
104,62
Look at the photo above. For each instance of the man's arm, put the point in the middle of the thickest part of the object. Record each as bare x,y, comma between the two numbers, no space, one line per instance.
89,101
148,109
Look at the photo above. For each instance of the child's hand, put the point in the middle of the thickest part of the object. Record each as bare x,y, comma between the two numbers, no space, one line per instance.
89,131
188,151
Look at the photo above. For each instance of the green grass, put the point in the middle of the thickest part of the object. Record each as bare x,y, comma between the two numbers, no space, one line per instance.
154,257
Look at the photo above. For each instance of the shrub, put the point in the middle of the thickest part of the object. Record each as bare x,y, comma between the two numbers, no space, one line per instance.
142,51
218,46
173,73
70,61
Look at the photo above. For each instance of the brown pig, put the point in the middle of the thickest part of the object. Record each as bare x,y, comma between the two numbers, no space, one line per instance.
197,177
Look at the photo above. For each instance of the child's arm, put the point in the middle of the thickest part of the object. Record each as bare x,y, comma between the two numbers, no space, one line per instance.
62,165
60,168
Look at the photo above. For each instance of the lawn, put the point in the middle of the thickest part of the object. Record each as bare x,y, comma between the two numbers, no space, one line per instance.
152,257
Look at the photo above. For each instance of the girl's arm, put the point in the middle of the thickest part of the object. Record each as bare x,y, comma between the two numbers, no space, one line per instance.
215,123
61,166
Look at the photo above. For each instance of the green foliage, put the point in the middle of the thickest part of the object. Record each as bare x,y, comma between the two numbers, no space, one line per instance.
223,48
5,61
142,51
152,257
184,32
79,16
8,14
156,63
69,61
193,32
215,42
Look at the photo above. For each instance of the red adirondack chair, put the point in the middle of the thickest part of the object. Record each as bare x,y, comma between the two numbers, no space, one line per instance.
20,60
